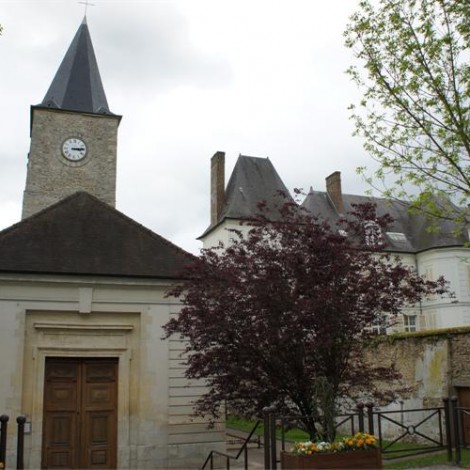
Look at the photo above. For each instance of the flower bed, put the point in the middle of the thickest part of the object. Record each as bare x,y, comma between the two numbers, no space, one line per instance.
352,452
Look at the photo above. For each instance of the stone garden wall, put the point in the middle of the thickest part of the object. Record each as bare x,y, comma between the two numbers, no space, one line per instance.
433,365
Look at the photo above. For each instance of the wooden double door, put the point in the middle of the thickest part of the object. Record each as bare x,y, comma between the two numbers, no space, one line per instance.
80,413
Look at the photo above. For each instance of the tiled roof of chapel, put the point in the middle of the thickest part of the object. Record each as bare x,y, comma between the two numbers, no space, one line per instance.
82,235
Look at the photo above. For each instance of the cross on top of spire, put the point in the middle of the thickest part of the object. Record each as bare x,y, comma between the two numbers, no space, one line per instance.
86,3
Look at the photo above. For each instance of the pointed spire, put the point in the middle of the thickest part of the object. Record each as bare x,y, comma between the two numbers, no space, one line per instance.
77,84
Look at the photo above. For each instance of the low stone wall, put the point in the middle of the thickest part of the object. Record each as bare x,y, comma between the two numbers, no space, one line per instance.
433,365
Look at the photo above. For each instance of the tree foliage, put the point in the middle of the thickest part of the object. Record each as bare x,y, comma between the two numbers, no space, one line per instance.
415,109
281,314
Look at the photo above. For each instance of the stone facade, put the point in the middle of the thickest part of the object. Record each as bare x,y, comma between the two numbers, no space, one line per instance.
70,316
51,177
91,309
433,365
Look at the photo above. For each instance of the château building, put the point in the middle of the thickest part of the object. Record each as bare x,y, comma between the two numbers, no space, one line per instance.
432,253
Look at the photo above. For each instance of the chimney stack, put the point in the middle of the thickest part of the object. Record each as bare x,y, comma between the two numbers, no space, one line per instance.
217,186
333,189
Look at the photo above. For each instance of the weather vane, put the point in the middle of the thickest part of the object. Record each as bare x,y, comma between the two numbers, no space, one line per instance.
87,3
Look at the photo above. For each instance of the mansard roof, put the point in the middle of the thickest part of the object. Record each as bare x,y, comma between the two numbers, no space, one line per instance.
253,180
82,235
77,84
408,233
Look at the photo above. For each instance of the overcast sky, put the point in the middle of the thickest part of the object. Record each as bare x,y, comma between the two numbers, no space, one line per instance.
263,78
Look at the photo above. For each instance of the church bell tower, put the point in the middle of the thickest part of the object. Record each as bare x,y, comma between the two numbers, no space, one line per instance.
73,134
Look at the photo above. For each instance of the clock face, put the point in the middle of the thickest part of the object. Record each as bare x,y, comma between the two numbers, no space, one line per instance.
74,149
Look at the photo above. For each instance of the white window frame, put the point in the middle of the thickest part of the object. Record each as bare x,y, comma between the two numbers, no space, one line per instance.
410,323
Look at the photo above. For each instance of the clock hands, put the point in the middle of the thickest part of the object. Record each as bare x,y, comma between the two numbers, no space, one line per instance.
74,149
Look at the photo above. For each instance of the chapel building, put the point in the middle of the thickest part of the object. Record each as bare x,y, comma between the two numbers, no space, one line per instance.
83,300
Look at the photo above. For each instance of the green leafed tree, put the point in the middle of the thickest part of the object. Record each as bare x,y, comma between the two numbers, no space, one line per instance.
414,116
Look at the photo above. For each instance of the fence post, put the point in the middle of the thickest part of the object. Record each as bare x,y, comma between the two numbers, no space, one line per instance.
360,415
456,421
267,446
3,439
370,417
447,418
273,441
20,445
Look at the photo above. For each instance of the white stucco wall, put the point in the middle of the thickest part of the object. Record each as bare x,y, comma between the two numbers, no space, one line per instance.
454,265
223,234
43,316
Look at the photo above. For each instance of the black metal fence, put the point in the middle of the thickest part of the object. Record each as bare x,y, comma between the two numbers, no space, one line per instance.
20,421
416,431
228,457
276,428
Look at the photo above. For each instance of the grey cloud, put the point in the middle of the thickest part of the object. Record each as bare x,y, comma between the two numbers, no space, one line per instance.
160,55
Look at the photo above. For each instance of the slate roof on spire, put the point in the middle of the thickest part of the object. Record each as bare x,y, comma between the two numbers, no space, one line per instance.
77,84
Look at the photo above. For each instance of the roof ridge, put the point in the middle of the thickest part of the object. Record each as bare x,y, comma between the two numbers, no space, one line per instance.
253,157
401,201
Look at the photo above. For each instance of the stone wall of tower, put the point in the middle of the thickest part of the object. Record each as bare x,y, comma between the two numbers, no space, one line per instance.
51,177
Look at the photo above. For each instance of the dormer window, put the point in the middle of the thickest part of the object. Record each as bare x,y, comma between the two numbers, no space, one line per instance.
372,233
397,236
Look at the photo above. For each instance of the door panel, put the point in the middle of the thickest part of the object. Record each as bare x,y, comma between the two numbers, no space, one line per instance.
99,434
464,401
80,413
99,405
60,428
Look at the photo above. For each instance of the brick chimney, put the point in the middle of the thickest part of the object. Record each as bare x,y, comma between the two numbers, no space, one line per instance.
217,186
333,189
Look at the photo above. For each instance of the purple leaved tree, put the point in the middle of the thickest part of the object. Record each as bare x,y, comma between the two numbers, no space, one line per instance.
279,318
